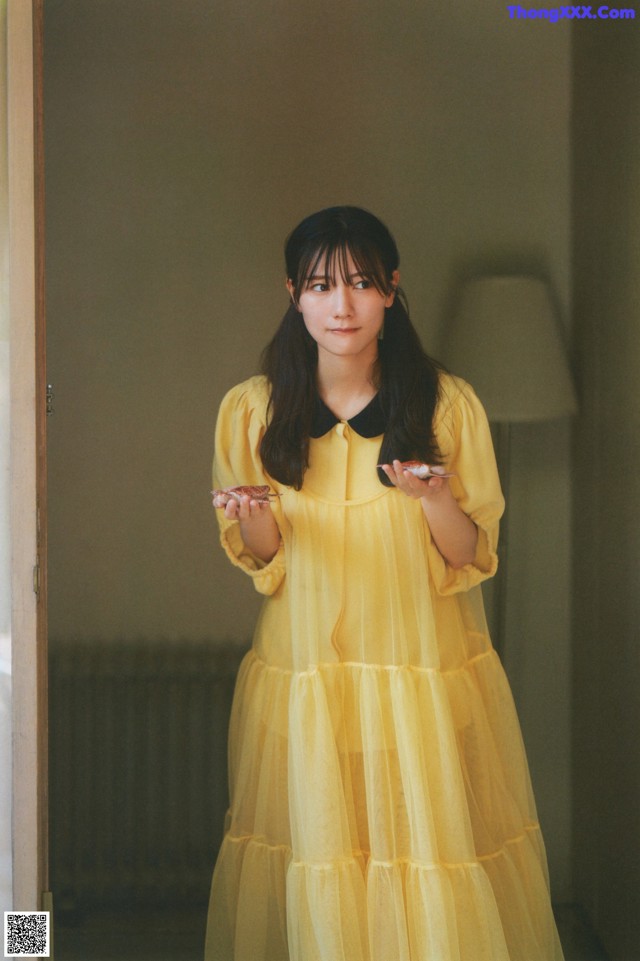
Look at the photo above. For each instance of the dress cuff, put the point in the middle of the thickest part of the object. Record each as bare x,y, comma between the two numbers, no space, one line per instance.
450,580
266,576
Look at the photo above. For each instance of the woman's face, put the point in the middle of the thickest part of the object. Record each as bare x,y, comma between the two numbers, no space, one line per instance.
344,317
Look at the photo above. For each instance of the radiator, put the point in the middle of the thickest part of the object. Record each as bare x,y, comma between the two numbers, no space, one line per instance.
138,774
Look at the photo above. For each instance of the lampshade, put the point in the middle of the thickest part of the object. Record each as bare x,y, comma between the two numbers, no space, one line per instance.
504,340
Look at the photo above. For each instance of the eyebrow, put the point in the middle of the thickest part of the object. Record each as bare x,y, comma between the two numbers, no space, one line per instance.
317,277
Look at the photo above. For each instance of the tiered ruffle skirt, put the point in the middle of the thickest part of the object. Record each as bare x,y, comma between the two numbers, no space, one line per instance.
379,814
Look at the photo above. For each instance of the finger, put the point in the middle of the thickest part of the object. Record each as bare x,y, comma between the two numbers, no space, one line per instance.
403,476
404,472
408,482
395,476
231,509
391,474
436,483
407,478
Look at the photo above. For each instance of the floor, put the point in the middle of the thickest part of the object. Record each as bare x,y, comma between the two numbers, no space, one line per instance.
578,939
178,936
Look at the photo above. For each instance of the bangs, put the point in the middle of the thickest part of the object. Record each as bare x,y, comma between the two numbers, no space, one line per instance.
331,259
321,246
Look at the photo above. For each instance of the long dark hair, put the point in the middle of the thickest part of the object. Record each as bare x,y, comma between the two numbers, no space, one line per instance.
406,378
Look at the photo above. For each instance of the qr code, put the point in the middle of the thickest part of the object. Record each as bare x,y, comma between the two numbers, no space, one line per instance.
26,934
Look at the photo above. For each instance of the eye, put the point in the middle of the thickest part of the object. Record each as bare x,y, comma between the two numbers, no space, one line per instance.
319,287
362,285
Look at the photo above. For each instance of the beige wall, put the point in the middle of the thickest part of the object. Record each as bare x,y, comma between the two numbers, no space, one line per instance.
5,540
6,866
183,142
607,494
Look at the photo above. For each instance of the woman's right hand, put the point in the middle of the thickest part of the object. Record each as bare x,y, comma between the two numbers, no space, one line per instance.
243,509
258,527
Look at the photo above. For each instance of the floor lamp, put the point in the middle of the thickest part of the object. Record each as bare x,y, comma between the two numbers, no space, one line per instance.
505,340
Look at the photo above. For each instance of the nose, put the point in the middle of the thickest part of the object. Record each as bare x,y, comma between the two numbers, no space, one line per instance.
341,301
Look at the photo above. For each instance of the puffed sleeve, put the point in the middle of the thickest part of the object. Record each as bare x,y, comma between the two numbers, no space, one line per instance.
239,430
464,439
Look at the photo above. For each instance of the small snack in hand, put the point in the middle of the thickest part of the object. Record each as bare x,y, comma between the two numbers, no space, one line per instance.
423,471
257,492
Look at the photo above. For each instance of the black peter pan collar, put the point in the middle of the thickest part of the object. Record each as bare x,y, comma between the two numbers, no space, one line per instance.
369,422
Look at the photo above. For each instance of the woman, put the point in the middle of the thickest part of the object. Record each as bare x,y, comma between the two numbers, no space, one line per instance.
381,808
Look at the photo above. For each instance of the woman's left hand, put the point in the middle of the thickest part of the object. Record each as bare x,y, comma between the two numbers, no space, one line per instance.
413,486
454,533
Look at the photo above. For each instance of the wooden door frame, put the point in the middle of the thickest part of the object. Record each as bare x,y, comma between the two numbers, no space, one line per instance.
28,454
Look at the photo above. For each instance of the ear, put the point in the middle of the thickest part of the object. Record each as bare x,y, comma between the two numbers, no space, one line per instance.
395,280
292,292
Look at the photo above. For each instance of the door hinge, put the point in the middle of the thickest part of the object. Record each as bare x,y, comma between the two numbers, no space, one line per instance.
49,400
36,578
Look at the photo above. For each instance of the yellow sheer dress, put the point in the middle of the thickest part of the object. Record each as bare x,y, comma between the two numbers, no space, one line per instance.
380,802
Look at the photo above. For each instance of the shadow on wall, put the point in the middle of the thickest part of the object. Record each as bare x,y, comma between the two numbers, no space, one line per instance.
606,677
